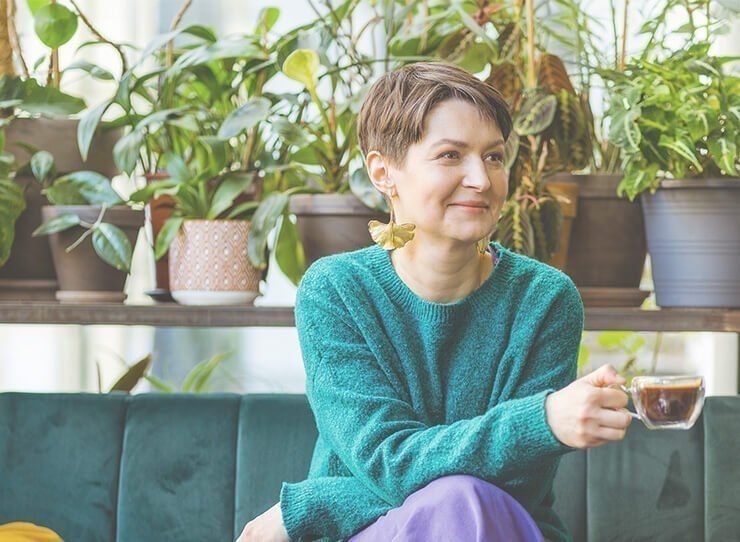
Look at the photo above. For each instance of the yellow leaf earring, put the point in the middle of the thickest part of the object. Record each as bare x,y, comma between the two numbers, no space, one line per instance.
482,245
391,236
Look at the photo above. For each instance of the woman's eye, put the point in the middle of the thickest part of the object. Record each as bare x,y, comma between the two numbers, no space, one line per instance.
497,157
451,155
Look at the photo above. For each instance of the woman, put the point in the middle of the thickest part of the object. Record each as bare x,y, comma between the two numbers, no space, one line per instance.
440,367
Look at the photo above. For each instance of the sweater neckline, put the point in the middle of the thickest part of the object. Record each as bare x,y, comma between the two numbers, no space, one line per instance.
480,299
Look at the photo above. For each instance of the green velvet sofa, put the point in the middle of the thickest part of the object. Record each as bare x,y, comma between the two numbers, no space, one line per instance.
157,467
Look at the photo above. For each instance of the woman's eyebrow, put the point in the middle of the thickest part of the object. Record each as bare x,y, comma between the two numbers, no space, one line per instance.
463,144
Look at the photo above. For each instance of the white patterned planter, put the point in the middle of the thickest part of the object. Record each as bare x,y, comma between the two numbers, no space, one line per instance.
209,264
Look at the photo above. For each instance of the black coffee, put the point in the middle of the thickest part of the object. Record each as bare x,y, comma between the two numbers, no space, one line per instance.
666,403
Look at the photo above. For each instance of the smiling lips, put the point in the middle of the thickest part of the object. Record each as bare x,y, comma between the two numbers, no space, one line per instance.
471,204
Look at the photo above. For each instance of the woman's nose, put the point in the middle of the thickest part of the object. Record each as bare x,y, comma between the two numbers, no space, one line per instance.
476,176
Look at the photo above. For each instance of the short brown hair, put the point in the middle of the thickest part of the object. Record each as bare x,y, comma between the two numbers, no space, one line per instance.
392,115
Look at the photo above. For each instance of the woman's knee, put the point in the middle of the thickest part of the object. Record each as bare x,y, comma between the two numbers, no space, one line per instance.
456,486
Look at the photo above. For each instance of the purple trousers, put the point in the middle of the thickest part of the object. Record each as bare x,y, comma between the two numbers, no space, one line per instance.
457,508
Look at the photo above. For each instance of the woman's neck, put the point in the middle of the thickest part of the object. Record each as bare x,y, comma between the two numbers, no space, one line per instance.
441,275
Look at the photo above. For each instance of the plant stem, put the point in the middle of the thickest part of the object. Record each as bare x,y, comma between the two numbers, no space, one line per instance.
623,55
530,43
56,76
15,44
175,22
97,34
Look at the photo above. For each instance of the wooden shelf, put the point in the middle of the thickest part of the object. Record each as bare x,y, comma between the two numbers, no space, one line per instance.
174,315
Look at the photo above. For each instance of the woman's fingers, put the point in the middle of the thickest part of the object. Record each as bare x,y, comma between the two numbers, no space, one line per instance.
614,419
610,398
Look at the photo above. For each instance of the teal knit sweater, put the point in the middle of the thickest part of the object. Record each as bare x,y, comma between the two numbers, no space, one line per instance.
405,390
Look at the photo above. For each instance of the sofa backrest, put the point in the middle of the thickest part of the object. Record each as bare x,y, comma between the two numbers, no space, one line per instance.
155,467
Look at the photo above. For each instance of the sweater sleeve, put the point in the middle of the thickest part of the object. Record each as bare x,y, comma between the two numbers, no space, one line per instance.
333,507
377,434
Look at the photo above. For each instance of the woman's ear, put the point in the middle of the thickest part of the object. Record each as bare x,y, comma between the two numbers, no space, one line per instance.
378,172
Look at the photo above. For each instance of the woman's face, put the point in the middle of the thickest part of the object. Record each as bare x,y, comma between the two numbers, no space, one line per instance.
452,184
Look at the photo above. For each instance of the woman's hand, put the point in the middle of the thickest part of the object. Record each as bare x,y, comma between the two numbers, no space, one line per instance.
586,414
267,527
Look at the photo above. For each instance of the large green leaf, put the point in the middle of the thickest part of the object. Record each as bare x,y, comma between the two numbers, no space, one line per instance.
228,189
27,95
54,25
166,235
87,126
57,224
222,49
244,117
536,114
302,65
263,222
112,245
289,250
65,192
683,147
94,187
42,165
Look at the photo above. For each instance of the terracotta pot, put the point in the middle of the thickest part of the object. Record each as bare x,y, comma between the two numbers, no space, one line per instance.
29,272
569,209
332,223
209,264
83,275
607,246
159,209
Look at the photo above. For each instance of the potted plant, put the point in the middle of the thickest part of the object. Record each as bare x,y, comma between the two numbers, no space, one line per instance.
83,204
607,249
676,121
38,116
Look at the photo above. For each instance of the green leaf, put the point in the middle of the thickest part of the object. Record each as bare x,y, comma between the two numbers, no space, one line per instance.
133,375
263,222
126,151
536,114
682,147
92,69
289,250
614,339
177,169
42,165
290,132
243,210
302,65
94,187
87,126
159,384
724,154
112,246
229,188
267,18
12,204
57,224
197,379
27,95
243,48
167,235
244,117
54,25
65,192
34,5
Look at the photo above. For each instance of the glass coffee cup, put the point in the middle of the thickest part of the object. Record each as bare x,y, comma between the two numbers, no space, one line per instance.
666,402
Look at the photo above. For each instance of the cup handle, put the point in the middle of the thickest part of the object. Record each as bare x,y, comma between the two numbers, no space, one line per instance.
626,390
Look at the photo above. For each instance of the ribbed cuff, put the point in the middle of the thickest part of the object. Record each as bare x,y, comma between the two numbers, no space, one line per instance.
294,506
536,438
